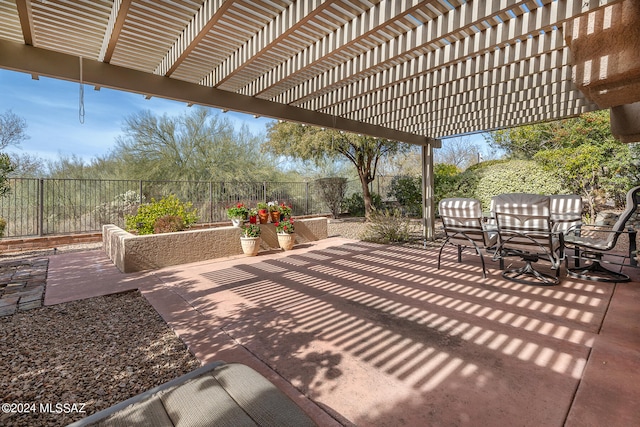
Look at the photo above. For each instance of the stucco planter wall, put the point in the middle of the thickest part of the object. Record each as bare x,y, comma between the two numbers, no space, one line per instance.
137,253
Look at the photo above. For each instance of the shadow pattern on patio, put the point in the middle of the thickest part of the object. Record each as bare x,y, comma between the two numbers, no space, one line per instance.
378,335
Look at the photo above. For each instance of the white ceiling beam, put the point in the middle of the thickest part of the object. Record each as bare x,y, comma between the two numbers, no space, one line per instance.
117,17
297,15
421,40
26,21
196,30
333,47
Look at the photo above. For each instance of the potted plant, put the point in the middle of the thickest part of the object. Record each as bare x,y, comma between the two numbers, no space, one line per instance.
250,239
237,214
253,216
285,211
274,211
285,231
263,212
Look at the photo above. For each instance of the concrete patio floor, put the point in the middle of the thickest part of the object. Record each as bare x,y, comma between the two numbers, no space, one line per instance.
366,334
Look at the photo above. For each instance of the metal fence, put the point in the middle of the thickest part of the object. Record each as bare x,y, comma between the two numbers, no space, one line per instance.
45,206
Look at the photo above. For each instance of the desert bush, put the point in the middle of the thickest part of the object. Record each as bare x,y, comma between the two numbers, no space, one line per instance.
115,211
354,204
143,222
388,226
168,224
332,191
488,179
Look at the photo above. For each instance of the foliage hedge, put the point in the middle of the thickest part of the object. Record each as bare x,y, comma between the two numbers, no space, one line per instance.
146,219
515,176
488,179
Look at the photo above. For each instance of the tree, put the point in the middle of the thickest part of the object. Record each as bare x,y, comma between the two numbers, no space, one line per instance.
585,169
12,130
444,181
460,152
28,165
581,152
6,167
524,142
315,144
193,146
407,190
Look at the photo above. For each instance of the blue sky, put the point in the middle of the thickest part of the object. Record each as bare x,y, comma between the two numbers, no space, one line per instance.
51,110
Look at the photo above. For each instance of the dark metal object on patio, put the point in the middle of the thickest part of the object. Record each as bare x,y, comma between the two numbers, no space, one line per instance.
525,231
593,249
463,227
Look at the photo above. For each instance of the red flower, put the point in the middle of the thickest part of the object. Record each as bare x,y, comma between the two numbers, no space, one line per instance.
277,224
240,205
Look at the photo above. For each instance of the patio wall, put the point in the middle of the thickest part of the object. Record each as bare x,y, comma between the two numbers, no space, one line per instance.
150,252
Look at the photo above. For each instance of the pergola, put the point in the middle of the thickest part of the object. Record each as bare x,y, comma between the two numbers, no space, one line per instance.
406,70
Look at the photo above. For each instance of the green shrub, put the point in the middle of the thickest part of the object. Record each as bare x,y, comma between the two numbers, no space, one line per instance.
3,226
354,204
407,190
488,179
515,176
388,226
144,221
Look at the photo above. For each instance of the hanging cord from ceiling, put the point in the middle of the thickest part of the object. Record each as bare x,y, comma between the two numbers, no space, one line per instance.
81,98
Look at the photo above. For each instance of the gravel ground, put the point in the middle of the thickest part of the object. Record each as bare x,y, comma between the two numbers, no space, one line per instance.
92,353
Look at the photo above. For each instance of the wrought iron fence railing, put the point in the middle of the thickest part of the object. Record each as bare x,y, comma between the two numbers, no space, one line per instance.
48,206
39,206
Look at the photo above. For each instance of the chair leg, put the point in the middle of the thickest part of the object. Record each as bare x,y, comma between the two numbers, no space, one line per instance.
484,270
440,252
597,273
537,278
633,248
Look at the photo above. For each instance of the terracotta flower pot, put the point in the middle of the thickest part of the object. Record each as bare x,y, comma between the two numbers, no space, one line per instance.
275,216
263,214
286,240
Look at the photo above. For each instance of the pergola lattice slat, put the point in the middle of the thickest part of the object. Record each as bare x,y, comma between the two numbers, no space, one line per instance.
415,69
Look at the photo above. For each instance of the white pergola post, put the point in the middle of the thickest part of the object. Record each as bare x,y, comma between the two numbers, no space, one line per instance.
428,208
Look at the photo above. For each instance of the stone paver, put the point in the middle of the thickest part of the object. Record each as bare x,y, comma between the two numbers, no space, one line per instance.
22,284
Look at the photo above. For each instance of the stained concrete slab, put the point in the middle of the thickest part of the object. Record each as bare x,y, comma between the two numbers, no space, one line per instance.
367,334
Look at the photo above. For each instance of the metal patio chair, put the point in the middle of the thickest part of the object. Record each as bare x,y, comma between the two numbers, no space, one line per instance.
594,241
525,231
565,211
464,227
